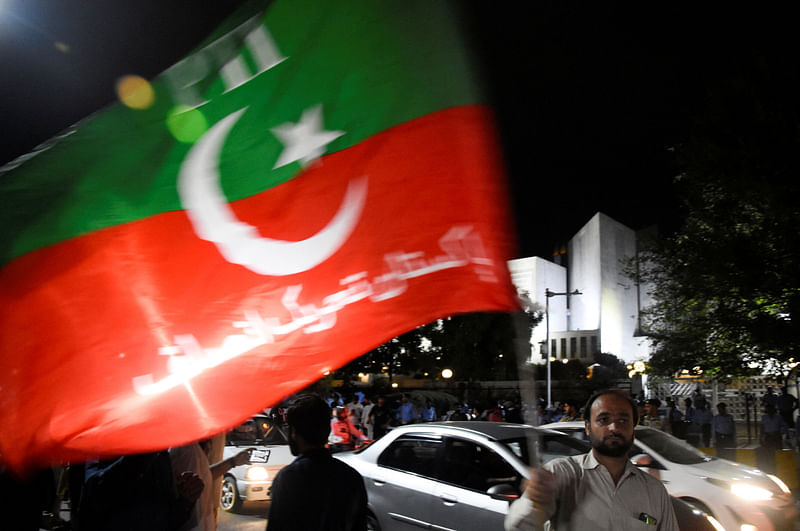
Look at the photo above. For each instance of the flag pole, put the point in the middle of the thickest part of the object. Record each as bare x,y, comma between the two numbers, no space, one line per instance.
527,383
527,389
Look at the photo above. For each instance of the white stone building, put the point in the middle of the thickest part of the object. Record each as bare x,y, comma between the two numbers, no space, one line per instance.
605,316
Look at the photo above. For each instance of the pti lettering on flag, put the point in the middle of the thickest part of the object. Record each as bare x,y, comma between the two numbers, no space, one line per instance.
315,179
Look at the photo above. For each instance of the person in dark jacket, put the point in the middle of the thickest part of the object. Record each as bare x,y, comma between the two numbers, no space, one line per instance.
316,491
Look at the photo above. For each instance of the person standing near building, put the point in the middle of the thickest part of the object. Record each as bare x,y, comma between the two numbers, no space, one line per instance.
601,489
653,417
316,491
380,417
428,412
354,410
570,411
513,412
366,424
786,404
702,419
406,413
769,398
675,420
723,432
698,398
691,428
689,410
772,429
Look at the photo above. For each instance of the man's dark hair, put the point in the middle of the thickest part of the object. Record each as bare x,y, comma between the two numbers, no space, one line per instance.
654,402
310,416
587,412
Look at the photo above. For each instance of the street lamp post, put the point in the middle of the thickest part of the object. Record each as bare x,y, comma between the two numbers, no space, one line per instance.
547,295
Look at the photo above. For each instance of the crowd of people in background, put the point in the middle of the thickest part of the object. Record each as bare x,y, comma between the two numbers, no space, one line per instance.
691,418
356,419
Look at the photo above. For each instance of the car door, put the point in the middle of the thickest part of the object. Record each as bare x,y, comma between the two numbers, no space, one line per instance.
402,486
467,471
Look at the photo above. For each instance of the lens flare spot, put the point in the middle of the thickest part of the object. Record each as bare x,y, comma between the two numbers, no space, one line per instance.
135,92
186,124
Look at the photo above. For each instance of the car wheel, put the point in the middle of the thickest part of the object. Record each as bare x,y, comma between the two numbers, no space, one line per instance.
230,500
372,523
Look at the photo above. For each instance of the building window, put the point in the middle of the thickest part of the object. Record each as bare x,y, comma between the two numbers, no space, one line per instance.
583,347
573,347
553,350
594,345
563,353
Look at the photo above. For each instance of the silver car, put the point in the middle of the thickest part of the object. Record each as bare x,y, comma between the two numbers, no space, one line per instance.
463,475
252,482
450,475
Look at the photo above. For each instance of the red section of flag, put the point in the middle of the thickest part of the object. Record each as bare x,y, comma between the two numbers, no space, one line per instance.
143,336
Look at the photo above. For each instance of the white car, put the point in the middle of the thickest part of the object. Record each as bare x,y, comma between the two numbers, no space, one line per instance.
740,497
252,481
461,475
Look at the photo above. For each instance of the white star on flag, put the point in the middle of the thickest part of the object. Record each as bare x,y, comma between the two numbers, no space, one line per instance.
304,141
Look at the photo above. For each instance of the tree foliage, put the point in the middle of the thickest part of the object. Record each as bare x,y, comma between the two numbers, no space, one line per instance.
475,346
725,285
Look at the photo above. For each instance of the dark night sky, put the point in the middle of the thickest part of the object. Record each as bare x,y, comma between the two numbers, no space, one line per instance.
589,96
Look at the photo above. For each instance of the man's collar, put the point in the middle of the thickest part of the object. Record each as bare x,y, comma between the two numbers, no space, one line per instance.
590,462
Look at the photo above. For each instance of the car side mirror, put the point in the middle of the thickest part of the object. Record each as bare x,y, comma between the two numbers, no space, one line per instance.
646,461
504,492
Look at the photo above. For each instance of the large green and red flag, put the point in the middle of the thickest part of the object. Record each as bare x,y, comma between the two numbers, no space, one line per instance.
314,180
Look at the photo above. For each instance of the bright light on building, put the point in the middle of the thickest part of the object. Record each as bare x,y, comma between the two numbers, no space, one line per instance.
447,373
394,385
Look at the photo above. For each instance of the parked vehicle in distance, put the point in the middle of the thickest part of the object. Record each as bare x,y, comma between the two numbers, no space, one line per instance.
267,437
737,495
461,475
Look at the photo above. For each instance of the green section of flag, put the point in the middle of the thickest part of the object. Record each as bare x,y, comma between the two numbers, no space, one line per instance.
370,64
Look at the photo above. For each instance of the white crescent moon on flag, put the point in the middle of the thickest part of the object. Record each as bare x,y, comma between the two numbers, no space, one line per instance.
240,243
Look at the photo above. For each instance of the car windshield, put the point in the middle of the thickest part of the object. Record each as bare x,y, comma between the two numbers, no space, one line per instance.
258,430
670,448
550,446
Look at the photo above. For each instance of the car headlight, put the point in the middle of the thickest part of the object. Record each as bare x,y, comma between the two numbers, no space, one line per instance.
747,491
256,473
750,492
